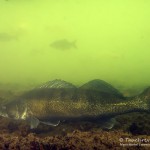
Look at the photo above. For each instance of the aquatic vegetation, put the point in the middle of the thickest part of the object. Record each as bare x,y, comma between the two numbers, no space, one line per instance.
72,140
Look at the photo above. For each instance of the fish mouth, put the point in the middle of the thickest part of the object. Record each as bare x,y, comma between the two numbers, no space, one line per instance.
4,114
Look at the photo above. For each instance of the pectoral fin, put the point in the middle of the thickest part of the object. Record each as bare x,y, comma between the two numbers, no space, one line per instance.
34,122
51,123
109,124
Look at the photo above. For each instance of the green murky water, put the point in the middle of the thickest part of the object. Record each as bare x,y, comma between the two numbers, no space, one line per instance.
75,40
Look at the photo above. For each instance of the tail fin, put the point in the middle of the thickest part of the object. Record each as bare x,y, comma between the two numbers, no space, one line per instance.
74,44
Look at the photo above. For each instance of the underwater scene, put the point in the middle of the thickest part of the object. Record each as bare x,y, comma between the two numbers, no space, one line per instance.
74,74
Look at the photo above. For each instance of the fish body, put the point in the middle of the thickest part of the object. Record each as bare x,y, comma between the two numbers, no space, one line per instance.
63,44
62,104
53,105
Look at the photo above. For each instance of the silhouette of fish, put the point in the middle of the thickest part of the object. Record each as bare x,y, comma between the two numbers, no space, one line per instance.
63,44
5,37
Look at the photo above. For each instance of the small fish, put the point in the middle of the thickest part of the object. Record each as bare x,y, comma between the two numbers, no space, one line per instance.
63,44
6,37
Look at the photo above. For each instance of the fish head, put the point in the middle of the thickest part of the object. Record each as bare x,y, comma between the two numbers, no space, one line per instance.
3,111
14,111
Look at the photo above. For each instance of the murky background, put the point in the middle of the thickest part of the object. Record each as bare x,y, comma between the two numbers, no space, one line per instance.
76,41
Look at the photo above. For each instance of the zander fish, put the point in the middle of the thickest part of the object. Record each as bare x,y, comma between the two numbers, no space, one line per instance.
53,105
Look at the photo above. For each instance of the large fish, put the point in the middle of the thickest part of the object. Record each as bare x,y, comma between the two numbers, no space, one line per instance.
53,105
